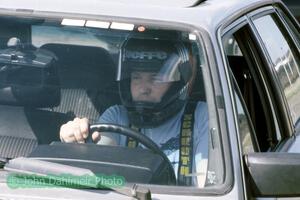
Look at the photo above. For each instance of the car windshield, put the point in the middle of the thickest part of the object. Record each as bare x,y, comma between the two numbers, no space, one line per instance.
116,77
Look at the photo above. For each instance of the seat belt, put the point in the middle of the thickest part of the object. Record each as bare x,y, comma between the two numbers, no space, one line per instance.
185,166
132,143
186,144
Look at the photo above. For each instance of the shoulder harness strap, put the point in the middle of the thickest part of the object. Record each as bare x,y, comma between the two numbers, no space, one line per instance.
186,145
131,143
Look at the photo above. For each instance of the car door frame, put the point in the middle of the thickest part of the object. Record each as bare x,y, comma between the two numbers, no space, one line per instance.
281,101
288,138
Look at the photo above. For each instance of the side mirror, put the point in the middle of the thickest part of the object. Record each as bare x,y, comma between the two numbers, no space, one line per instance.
274,174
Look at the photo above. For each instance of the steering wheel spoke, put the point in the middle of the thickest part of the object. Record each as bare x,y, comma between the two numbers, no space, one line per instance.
139,137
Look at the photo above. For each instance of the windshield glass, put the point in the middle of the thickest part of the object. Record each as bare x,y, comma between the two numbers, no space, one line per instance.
57,77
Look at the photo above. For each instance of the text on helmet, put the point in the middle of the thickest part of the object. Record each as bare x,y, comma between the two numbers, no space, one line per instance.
160,55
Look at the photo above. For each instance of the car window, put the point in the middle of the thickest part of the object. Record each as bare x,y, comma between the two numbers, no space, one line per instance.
285,59
53,73
246,132
247,135
247,71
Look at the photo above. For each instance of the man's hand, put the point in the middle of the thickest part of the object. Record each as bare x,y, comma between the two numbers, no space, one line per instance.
77,131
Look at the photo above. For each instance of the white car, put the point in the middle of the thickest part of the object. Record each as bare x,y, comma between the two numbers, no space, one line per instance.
235,83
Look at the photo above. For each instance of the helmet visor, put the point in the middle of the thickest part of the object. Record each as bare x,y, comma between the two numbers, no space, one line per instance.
164,71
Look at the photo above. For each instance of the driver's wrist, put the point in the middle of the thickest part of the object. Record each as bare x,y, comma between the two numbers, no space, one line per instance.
62,139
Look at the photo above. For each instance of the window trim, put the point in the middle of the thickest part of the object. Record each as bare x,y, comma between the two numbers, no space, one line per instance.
234,27
296,46
263,88
285,15
222,31
285,24
244,107
287,128
256,69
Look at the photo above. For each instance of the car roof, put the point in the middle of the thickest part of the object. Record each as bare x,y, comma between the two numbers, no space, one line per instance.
194,12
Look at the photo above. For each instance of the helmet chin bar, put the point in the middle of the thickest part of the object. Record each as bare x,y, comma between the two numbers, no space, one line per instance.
149,115
148,118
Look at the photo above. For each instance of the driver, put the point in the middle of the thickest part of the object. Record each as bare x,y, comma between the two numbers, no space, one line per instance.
155,78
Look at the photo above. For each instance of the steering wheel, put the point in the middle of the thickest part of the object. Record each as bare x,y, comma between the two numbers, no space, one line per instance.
146,141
